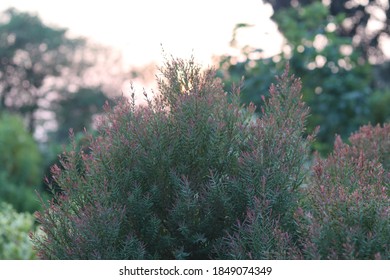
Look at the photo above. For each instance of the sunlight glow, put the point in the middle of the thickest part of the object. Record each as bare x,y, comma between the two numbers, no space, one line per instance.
138,28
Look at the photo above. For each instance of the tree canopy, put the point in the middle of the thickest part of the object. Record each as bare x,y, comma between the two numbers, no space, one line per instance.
367,22
340,84
30,52
41,67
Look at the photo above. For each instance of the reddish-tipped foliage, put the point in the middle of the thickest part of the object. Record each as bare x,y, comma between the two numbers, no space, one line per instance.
375,142
349,213
171,179
194,175
260,236
272,167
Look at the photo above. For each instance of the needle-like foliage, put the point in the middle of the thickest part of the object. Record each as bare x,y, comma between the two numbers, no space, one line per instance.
177,178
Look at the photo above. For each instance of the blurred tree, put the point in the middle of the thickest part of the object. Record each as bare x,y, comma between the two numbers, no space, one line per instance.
20,158
20,165
77,110
54,82
41,66
367,22
336,81
30,52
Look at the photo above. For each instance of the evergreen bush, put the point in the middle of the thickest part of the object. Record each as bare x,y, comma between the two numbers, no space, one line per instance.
178,178
374,142
349,200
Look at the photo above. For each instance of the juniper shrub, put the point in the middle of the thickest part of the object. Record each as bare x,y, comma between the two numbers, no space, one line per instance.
349,215
374,142
272,167
176,178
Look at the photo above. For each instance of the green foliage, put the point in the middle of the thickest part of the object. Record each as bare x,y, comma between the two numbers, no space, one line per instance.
379,102
22,197
358,17
174,179
260,237
76,111
374,142
195,175
20,165
349,198
20,158
337,83
51,156
276,164
15,243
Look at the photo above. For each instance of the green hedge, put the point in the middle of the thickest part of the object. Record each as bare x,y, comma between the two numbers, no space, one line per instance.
15,243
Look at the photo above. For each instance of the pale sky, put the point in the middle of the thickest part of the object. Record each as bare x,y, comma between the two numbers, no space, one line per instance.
138,28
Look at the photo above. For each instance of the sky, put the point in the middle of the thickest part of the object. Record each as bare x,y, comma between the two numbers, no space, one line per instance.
138,29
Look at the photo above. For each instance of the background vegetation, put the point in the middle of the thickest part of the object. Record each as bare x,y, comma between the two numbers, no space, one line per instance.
43,93
337,57
15,227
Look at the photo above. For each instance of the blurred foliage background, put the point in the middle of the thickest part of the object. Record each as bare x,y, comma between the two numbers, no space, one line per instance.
51,82
14,234
21,164
331,47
